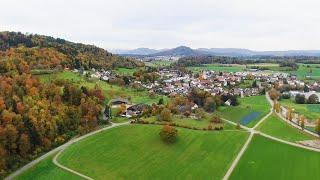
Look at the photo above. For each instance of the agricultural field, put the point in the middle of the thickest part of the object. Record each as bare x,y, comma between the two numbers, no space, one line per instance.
184,121
136,152
159,63
276,127
219,67
250,110
110,91
237,67
308,71
46,170
268,159
310,111
126,71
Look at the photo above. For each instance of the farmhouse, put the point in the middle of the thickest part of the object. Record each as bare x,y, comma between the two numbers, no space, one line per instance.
136,110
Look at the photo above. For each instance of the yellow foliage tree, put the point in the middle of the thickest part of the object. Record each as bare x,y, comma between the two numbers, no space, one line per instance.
302,121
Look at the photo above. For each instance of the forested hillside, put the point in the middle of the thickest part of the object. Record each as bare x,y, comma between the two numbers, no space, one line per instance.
35,49
35,117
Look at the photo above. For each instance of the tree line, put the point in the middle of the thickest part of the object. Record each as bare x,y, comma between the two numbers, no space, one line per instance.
36,116
284,61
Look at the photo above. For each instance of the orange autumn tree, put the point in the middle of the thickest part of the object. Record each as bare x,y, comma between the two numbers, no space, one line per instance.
36,117
168,134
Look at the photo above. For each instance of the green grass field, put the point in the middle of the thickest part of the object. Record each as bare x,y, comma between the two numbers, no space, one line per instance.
109,90
311,70
236,67
126,71
159,63
248,105
119,119
276,127
310,111
181,120
218,67
267,159
46,170
136,152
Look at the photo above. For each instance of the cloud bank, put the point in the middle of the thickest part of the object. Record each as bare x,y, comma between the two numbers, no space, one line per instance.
253,24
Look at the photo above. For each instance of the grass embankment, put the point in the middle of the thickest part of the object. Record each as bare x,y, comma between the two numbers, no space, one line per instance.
46,170
190,122
119,119
268,159
276,127
110,91
136,152
310,111
249,112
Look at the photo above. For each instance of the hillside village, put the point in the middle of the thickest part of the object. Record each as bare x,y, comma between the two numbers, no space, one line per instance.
172,82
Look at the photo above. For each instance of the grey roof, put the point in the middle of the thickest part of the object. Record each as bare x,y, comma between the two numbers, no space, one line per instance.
126,101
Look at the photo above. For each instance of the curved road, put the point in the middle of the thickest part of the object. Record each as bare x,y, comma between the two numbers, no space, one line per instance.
227,175
61,148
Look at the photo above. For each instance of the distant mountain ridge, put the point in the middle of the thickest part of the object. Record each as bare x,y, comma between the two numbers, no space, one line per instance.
138,51
184,51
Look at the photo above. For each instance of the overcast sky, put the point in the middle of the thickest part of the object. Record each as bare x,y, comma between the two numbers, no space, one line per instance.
127,24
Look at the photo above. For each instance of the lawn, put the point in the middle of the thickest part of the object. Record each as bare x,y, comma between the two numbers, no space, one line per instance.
201,123
136,152
249,112
276,127
46,170
119,119
310,111
109,90
268,159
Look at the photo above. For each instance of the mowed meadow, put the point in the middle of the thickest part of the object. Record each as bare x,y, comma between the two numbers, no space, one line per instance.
310,111
267,159
136,152
277,127
248,112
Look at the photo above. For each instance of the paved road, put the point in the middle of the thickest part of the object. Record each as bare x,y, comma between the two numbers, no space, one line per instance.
253,132
241,152
290,122
245,146
62,147
227,175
